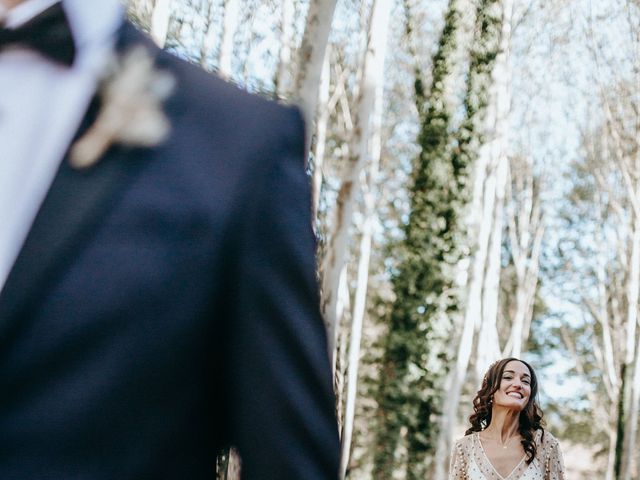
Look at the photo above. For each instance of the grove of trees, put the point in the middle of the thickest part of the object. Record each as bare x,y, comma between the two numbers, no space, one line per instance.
475,167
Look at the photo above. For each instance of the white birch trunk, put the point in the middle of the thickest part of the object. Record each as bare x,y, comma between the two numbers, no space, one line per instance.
472,317
283,80
633,287
488,342
610,376
355,338
606,295
337,252
209,39
340,353
616,147
141,8
230,25
518,227
611,455
454,385
514,347
526,230
324,111
631,424
630,171
531,288
374,66
160,21
342,303
479,229
235,465
311,56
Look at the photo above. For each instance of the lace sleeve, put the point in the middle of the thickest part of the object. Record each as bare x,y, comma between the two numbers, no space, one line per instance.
457,467
554,463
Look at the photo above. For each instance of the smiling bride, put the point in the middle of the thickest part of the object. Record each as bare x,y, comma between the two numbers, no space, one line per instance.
506,440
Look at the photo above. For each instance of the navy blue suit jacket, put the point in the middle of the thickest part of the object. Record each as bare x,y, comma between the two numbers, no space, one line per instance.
165,304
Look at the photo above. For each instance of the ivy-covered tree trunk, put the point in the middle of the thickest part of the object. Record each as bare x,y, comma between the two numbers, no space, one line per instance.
419,322
484,155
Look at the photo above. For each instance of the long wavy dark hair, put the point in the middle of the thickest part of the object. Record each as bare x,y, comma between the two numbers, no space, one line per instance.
530,417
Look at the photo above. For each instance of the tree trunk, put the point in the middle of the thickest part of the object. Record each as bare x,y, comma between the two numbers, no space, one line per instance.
526,230
160,21
283,80
337,251
230,25
488,341
234,466
632,293
629,407
611,455
631,420
374,71
324,112
338,354
209,38
355,337
311,56
483,106
610,376
472,318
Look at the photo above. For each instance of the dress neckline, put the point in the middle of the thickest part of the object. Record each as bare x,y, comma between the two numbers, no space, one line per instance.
487,467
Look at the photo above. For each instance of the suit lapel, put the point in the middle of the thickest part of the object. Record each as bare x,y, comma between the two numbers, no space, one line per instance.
74,207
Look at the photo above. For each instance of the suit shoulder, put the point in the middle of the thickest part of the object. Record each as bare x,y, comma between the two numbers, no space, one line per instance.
206,93
200,90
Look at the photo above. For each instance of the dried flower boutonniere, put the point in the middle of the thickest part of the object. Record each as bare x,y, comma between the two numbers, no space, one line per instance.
131,111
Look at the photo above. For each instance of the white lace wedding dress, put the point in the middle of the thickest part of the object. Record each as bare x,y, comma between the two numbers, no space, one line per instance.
469,461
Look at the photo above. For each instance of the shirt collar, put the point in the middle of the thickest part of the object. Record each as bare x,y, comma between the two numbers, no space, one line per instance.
25,11
92,22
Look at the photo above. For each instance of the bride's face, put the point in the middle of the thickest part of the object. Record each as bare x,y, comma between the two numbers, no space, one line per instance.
515,386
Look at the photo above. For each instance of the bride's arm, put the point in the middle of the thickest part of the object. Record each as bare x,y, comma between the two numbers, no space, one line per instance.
554,464
458,465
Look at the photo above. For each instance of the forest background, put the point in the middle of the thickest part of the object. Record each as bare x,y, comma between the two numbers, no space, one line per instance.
476,189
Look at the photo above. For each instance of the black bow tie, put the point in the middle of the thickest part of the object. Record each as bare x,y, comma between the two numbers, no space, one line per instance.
48,33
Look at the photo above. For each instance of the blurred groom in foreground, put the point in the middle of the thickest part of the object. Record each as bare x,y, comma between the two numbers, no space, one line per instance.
157,289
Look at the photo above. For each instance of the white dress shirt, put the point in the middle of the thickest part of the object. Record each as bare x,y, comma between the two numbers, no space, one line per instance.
41,107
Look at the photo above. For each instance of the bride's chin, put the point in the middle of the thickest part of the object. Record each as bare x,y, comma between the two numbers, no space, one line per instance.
516,406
